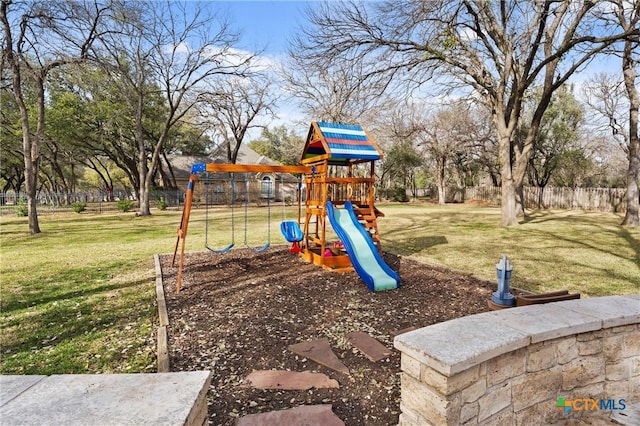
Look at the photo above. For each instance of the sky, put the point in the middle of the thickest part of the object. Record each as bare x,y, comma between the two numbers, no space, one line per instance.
270,24
265,24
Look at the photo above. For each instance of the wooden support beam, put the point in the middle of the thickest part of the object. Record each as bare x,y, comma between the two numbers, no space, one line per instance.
255,168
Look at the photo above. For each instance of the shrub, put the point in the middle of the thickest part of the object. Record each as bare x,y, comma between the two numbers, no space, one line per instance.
161,204
124,205
400,195
79,207
21,209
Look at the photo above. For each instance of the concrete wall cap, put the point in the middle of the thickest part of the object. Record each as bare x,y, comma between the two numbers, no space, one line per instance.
456,345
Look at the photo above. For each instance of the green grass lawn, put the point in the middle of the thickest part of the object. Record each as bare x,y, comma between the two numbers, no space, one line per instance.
587,252
80,298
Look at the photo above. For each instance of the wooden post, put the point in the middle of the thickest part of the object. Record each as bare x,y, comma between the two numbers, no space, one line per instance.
182,231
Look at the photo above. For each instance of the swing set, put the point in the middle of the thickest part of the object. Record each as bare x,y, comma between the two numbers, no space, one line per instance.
232,202
290,229
337,165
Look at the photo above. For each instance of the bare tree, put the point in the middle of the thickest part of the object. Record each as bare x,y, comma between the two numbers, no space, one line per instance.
38,38
231,109
332,90
485,144
628,17
11,157
170,50
608,98
445,136
498,49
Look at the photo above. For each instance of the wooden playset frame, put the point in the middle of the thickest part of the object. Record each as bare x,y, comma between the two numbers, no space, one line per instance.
329,168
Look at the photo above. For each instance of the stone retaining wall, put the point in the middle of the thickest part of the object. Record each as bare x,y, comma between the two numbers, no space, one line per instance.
511,366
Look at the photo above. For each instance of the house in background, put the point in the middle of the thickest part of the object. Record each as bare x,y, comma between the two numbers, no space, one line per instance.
253,187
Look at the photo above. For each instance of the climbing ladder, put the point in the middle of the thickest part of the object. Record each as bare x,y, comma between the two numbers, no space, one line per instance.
368,215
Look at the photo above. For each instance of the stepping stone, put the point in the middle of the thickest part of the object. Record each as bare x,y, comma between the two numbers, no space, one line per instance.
288,380
320,351
307,415
370,347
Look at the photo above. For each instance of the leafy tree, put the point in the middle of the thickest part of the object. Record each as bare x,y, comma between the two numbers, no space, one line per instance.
106,177
574,169
189,138
38,38
66,129
89,116
559,130
400,164
279,144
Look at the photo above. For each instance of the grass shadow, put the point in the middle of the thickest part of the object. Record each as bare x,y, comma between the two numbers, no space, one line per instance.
633,243
70,284
66,325
412,245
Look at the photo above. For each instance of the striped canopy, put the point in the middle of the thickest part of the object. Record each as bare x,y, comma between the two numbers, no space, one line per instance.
340,143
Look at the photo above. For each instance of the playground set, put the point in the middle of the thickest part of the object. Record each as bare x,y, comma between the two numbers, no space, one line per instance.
338,175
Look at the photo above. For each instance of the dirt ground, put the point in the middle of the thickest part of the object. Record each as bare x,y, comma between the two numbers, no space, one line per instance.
238,312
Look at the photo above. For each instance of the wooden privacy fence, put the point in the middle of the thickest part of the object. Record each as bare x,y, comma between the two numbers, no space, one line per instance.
598,199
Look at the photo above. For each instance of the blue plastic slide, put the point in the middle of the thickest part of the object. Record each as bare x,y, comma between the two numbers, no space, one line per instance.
363,253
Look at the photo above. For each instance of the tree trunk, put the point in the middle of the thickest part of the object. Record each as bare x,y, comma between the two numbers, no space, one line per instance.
541,197
145,189
633,194
30,175
633,173
146,180
442,192
508,185
143,168
33,163
520,199
508,204
31,150
173,182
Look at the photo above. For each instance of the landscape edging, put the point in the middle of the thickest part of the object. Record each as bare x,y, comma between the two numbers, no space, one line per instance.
163,347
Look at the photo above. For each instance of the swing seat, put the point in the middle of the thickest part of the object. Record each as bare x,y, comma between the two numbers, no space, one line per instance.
291,231
263,248
222,250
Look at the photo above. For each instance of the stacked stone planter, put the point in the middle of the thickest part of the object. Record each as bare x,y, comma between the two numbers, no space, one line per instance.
511,366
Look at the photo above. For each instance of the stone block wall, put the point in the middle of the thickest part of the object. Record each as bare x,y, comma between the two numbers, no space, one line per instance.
511,366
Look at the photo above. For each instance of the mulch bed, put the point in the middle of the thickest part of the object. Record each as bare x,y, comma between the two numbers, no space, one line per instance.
238,312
